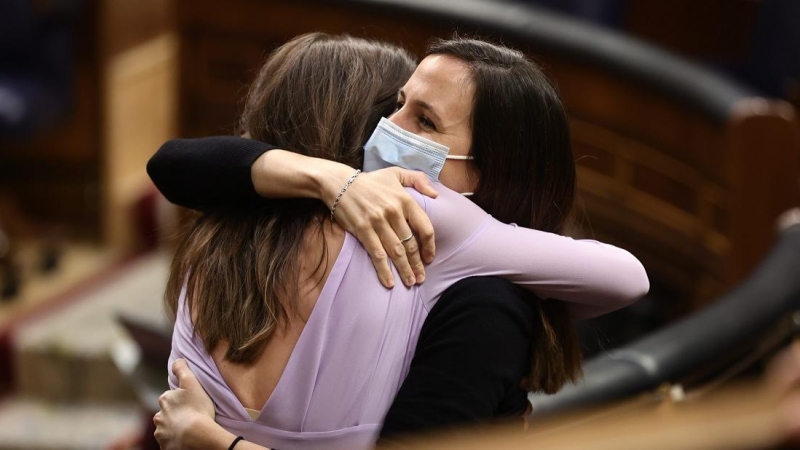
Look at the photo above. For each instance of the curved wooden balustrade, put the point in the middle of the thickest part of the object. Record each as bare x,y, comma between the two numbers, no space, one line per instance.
683,168
744,417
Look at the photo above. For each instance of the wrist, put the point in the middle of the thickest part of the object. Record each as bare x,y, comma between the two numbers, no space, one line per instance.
204,433
329,177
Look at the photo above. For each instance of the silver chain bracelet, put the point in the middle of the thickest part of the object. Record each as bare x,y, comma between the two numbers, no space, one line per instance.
341,193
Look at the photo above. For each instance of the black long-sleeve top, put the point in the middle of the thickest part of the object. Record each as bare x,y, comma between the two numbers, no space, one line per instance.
207,173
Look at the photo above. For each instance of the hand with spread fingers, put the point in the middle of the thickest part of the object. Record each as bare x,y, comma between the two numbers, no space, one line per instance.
372,206
389,223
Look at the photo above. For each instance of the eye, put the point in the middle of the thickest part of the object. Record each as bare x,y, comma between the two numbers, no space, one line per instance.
427,123
398,105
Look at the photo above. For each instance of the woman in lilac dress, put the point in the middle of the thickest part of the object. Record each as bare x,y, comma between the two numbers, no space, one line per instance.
279,312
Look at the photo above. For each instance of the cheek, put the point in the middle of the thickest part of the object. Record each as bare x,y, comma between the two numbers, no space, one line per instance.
448,178
457,176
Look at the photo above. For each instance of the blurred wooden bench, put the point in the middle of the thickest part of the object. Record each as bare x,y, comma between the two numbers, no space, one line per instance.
685,169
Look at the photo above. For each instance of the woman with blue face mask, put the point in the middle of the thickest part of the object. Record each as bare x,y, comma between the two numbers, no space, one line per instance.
449,107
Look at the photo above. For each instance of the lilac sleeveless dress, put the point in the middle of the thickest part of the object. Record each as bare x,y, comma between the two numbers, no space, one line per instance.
356,348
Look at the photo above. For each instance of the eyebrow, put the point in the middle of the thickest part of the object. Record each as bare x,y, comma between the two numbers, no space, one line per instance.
423,105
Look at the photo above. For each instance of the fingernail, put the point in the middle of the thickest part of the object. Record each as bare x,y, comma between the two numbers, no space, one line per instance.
420,278
410,281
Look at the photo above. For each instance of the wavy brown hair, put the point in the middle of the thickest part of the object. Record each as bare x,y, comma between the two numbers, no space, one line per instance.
319,95
526,175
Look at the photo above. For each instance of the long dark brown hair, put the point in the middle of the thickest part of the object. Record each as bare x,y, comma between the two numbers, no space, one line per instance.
319,95
526,175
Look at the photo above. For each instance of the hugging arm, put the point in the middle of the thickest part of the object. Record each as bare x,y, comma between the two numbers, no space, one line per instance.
594,278
232,172
207,173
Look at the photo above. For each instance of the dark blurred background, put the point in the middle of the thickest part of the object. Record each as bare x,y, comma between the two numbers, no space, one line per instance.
684,125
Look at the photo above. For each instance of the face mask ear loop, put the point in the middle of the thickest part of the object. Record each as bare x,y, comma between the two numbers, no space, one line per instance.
460,157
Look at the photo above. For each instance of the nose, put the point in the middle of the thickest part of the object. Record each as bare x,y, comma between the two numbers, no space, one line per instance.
401,119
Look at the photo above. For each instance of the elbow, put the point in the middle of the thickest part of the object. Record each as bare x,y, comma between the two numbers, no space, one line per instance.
643,284
628,284
636,285
623,287
165,173
160,164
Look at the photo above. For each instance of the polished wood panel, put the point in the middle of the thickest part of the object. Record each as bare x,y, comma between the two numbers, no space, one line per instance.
711,30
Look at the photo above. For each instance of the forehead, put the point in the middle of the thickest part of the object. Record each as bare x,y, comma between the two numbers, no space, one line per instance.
444,82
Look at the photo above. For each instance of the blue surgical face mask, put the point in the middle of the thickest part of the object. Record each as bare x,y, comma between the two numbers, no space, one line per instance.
391,145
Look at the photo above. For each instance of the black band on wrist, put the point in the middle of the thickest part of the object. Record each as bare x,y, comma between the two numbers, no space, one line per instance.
235,441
